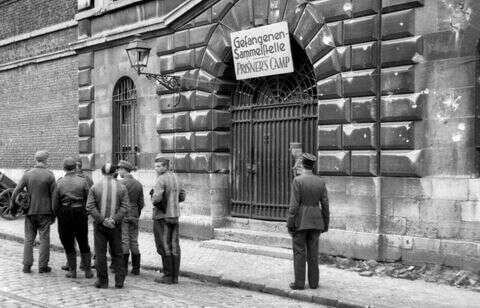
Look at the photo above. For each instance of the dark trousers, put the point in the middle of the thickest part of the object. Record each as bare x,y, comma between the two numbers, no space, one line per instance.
73,225
112,237
167,238
34,224
305,250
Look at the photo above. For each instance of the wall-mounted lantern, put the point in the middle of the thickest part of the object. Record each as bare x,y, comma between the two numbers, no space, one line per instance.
138,53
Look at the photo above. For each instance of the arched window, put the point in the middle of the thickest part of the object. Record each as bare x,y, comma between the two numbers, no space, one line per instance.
124,121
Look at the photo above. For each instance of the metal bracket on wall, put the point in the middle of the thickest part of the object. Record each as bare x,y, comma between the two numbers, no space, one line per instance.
167,81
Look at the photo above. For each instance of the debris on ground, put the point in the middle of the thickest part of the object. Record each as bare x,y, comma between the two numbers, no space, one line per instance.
428,272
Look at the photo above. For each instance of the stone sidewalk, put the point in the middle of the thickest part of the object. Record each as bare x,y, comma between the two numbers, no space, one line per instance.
338,288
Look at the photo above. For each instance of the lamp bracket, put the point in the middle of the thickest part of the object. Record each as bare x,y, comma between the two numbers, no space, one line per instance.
170,82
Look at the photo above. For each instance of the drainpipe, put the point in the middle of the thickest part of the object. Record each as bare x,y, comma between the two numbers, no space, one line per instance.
378,180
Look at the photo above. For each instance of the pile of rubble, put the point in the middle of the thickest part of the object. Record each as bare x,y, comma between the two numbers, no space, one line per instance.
428,272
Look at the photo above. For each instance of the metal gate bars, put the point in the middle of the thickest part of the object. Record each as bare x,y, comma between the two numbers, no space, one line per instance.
124,121
268,114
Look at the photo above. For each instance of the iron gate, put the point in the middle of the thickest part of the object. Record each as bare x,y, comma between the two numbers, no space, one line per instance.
268,114
124,121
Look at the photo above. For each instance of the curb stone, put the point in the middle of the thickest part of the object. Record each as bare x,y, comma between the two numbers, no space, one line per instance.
300,296
251,286
325,301
227,282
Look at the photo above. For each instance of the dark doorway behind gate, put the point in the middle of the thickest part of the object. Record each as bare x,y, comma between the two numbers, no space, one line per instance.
268,114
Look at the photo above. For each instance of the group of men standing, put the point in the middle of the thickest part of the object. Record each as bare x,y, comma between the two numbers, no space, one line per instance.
115,204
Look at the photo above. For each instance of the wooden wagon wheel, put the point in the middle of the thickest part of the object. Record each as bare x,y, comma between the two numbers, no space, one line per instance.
5,204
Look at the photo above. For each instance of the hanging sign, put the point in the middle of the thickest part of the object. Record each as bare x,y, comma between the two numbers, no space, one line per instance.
262,51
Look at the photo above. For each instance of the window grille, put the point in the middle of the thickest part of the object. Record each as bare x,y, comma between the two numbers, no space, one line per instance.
124,122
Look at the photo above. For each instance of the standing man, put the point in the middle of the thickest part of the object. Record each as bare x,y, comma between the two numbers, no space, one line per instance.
108,204
166,211
40,184
80,173
306,220
69,200
130,222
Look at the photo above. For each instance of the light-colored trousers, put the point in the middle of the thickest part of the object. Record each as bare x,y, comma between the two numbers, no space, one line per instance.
130,236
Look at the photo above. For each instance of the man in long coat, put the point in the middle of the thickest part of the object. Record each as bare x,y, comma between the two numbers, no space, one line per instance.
308,216
40,184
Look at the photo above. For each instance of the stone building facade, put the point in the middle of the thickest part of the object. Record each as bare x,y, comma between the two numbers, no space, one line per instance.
385,94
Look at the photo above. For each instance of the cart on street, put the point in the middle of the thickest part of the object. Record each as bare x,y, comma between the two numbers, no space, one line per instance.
6,190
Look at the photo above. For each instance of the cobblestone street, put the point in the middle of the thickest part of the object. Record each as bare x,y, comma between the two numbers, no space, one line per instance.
54,290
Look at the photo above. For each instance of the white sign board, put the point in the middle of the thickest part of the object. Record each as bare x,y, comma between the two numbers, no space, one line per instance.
262,51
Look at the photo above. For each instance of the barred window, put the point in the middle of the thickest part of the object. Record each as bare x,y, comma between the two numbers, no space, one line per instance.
124,121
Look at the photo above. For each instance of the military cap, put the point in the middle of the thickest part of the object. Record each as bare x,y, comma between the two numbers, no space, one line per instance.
69,163
160,158
308,160
41,156
125,165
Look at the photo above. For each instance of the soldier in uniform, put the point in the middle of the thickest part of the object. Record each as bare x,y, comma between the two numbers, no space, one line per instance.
308,216
108,204
165,220
80,173
69,199
130,222
40,184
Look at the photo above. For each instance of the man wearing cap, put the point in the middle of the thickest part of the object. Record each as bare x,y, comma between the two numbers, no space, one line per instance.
166,190
80,173
308,216
108,204
40,184
130,222
69,200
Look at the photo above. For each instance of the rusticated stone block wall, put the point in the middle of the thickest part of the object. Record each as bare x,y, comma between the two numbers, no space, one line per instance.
194,125
365,57
86,107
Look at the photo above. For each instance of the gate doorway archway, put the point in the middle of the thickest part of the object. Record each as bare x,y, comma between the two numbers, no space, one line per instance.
268,114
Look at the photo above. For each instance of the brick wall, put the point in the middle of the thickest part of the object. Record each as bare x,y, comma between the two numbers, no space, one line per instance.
39,111
50,42
23,16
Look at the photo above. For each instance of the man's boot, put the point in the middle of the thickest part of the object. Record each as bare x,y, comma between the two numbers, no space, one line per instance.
176,268
65,267
125,262
72,263
101,284
164,267
82,264
86,260
136,264
168,265
27,269
119,279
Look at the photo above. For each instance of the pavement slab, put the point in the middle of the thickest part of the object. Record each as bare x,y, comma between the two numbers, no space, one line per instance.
338,287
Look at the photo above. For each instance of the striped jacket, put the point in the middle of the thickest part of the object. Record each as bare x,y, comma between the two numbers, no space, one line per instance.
108,198
168,183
